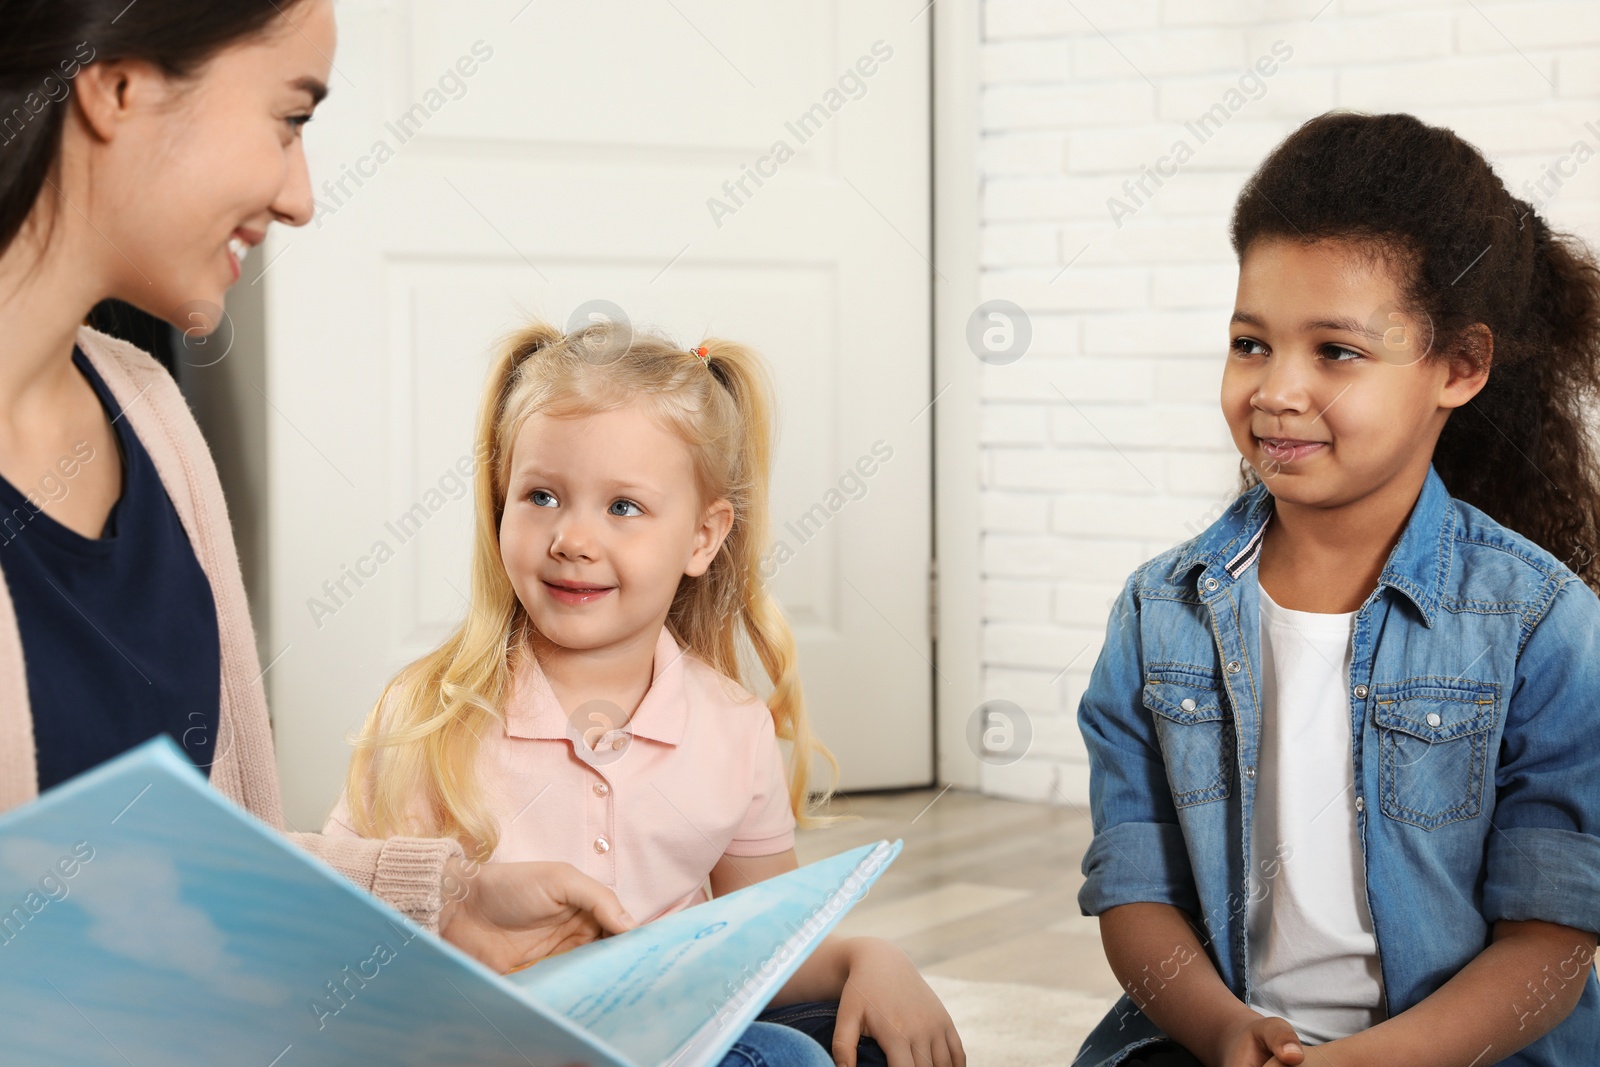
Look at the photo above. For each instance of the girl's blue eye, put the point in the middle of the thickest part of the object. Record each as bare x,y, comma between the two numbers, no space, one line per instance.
626,504
1340,354
1242,346
539,496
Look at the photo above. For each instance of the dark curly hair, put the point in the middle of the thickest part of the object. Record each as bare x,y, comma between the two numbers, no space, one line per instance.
1429,201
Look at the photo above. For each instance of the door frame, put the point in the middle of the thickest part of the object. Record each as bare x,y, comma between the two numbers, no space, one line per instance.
954,65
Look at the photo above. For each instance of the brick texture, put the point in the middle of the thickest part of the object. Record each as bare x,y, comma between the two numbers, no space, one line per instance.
1103,445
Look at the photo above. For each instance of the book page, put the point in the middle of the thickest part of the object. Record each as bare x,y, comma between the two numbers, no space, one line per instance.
679,990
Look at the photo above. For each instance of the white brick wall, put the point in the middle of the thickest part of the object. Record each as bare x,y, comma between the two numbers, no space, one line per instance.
1104,445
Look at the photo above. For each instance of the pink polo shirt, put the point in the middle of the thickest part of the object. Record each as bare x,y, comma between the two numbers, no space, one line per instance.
695,774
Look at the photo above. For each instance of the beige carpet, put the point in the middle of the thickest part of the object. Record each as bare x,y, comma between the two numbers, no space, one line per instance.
1007,1025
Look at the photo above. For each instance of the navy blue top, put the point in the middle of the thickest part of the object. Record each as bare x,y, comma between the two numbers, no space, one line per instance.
119,633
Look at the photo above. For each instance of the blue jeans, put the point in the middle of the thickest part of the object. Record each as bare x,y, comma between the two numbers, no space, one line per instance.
771,1045
817,1018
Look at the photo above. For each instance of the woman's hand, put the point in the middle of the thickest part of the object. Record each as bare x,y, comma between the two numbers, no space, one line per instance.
886,998
509,915
1259,1041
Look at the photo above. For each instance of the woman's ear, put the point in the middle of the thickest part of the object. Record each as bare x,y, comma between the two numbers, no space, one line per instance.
715,523
108,92
1469,365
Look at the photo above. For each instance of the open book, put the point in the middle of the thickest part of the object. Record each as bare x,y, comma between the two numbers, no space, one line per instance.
146,919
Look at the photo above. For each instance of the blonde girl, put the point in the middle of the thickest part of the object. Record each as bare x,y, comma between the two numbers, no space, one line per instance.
590,708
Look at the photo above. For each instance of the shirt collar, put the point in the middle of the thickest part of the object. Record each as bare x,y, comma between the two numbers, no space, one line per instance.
1418,566
534,712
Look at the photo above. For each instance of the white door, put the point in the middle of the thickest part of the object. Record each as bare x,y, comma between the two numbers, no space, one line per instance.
754,171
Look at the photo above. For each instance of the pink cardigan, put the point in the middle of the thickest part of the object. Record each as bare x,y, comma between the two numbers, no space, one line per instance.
405,871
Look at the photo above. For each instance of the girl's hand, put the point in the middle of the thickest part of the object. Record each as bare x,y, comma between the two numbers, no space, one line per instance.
885,998
1261,1041
509,915
1345,1052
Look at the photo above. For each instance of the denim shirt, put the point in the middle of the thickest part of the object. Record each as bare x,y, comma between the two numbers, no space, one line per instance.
1474,693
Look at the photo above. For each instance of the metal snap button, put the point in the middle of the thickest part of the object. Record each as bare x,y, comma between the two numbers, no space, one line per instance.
1250,772
1233,666
1434,719
601,845
1361,692
1188,704
1361,804
1211,584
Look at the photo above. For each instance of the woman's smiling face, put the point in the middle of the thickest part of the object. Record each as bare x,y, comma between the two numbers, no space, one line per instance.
1329,391
184,174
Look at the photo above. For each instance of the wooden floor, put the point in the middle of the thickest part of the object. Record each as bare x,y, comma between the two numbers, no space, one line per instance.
984,891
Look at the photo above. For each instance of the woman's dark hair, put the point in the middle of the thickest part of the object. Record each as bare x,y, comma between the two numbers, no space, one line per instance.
1468,252
46,42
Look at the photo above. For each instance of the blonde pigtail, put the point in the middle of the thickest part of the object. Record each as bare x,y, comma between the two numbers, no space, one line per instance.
741,373
413,767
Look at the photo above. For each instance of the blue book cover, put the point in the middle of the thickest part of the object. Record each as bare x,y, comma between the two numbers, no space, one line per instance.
146,919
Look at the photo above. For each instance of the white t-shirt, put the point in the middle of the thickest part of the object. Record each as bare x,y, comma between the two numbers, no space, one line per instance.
1312,956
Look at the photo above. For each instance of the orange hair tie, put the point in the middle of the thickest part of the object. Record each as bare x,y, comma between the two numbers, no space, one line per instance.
701,352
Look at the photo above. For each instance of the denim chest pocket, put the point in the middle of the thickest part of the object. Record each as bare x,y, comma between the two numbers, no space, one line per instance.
1194,730
1433,745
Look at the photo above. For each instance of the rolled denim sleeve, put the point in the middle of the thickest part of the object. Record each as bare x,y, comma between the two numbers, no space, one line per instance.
1138,852
1543,857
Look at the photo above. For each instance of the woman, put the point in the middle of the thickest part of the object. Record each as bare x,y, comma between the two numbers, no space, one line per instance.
144,148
